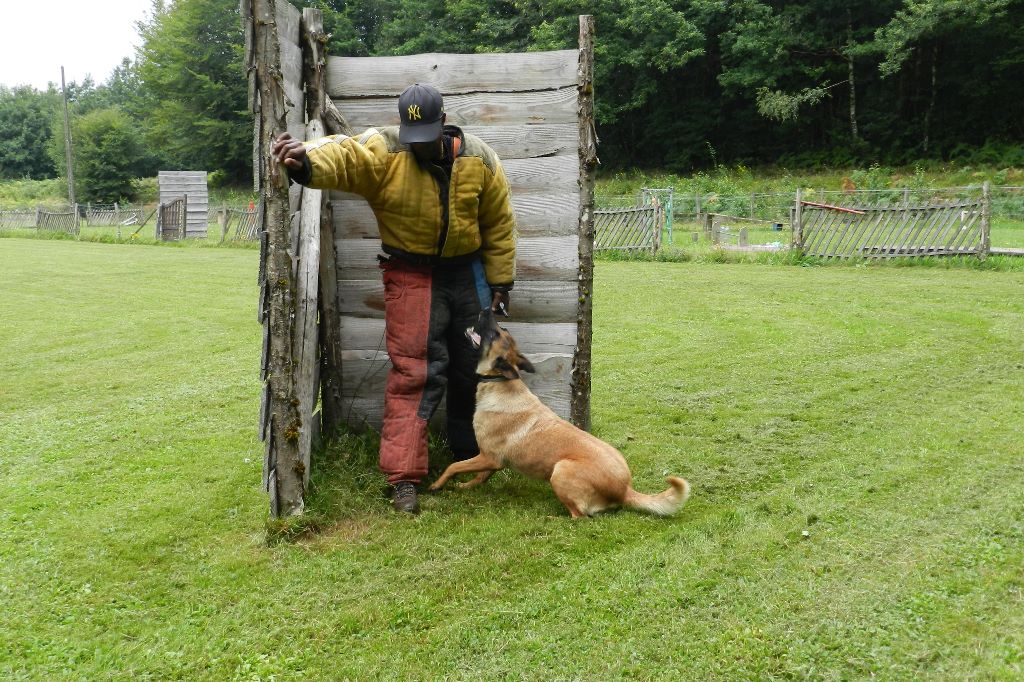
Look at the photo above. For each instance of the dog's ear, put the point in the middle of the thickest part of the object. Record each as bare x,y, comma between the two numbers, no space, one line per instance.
525,365
507,370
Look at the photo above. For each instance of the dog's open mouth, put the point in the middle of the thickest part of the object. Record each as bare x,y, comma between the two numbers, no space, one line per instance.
473,337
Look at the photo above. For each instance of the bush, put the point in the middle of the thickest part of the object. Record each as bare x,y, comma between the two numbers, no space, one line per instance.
108,154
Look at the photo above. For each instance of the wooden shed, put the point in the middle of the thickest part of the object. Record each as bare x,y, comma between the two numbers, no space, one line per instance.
321,292
191,185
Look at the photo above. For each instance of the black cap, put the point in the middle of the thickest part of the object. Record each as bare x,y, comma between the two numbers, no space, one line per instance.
420,108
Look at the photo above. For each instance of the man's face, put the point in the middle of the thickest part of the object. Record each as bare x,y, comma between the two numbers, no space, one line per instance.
427,151
430,151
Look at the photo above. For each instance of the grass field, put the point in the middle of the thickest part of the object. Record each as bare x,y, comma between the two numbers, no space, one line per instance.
852,436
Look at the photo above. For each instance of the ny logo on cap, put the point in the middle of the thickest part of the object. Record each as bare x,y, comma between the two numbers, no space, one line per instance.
414,112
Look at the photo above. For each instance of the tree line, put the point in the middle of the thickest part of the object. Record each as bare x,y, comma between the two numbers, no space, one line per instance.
680,84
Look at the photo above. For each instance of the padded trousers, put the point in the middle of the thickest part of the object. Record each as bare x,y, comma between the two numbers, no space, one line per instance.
426,313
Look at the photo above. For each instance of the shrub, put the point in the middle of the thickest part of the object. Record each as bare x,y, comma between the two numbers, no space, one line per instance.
108,153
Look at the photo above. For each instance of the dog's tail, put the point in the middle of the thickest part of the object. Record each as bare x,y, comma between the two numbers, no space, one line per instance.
662,504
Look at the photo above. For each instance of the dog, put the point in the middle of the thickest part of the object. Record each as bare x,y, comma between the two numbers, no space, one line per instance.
515,429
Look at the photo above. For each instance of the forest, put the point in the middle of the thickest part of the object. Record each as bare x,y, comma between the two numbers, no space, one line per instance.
681,85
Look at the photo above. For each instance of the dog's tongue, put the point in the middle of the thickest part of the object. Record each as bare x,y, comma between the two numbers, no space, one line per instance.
473,337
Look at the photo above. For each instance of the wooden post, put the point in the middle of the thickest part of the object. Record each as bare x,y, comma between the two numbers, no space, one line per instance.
753,201
579,409
305,328
314,55
68,155
744,240
284,469
798,226
183,220
986,218
222,221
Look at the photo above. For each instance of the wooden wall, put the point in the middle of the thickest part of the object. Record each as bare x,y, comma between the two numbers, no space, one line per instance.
192,186
525,107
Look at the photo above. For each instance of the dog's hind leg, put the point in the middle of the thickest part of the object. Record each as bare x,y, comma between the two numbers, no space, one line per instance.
476,480
572,489
481,463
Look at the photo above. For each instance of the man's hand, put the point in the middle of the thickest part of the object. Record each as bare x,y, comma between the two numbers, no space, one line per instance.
289,151
499,303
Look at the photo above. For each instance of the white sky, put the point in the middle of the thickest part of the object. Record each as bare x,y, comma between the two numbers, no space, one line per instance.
85,36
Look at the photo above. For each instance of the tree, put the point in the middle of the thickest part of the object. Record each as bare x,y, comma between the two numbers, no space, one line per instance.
108,155
25,130
195,86
927,26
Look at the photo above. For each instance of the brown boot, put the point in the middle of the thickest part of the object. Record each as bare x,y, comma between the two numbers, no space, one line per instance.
403,497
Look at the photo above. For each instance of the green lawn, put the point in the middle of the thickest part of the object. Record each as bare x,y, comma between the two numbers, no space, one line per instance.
852,435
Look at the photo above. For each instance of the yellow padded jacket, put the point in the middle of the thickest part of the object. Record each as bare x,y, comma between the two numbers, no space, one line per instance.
406,198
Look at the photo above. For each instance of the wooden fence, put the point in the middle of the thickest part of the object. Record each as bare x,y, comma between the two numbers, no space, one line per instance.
59,221
110,215
171,220
632,230
28,217
245,222
916,226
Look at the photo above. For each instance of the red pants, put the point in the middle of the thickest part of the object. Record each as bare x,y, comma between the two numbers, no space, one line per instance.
426,312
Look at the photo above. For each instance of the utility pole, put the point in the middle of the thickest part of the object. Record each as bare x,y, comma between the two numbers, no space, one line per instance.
67,142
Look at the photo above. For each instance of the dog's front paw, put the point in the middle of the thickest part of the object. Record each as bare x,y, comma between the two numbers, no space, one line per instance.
436,485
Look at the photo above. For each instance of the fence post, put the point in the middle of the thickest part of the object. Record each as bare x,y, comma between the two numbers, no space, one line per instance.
753,200
744,240
986,215
39,215
798,226
222,220
696,202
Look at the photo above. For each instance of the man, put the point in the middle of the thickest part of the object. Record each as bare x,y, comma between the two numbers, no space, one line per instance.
447,228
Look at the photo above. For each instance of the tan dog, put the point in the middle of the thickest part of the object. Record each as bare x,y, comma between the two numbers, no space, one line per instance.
514,429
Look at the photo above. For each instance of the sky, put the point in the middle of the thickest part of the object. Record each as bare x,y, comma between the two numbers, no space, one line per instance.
87,38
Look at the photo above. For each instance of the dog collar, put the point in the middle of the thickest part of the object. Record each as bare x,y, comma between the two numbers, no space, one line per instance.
489,378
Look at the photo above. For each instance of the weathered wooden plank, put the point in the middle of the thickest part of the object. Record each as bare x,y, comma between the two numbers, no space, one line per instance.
181,173
537,215
451,73
529,141
364,333
305,327
545,175
288,20
537,258
291,70
548,175
532,301
473,109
